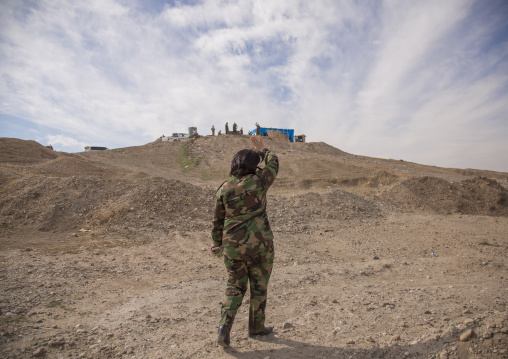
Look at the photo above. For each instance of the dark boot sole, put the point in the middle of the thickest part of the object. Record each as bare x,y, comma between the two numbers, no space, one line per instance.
267,331
222,341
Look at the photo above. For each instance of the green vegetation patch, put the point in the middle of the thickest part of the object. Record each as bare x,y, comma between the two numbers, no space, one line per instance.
185,158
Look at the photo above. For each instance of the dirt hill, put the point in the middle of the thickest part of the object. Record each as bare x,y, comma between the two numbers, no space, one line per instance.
104,254
144,185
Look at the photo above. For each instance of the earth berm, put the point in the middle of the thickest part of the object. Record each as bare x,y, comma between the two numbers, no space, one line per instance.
105,255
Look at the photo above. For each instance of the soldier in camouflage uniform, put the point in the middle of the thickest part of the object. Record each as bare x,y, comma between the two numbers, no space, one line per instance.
241,228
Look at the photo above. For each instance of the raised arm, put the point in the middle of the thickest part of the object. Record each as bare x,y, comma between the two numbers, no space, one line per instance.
271,169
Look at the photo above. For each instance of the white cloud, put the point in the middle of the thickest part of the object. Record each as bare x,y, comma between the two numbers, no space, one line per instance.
63,141
381,78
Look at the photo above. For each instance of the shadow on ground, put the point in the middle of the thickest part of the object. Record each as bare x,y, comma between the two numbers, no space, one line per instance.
292,349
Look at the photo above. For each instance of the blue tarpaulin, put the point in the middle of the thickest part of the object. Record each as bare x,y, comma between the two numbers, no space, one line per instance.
287,132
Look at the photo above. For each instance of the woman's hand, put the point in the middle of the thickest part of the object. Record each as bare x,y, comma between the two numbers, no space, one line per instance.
257,143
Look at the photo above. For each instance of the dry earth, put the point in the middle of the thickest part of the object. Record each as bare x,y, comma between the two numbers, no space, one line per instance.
104,255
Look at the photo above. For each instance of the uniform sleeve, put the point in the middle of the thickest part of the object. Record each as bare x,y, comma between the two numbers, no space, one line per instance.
271,169
218,220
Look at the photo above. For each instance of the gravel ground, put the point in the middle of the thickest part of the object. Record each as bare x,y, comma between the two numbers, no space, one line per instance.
104,255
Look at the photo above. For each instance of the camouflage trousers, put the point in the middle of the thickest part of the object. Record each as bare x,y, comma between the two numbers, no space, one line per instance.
242,269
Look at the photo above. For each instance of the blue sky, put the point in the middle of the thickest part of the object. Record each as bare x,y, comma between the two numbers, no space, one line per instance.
424,81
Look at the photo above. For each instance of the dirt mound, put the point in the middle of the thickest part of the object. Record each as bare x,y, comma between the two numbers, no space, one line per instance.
475,196
7,175
296,212
64,204
15,151
377,179
277,135
483,196
322,149
70,165
205,161
382,178
67,204
168,185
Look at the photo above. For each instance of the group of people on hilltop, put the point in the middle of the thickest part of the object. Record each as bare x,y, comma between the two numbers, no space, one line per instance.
235,130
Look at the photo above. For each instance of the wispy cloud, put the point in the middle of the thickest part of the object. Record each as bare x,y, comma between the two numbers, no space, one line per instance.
64,141
422,80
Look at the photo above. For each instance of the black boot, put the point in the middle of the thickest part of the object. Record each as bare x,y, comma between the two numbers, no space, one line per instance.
223,339
265,331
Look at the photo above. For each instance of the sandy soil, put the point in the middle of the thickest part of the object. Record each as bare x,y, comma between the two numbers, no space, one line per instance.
105,255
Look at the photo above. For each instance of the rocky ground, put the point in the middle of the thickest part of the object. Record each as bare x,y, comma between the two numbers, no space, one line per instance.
105,255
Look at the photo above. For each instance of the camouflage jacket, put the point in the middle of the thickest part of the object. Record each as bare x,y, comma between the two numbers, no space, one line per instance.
240,207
